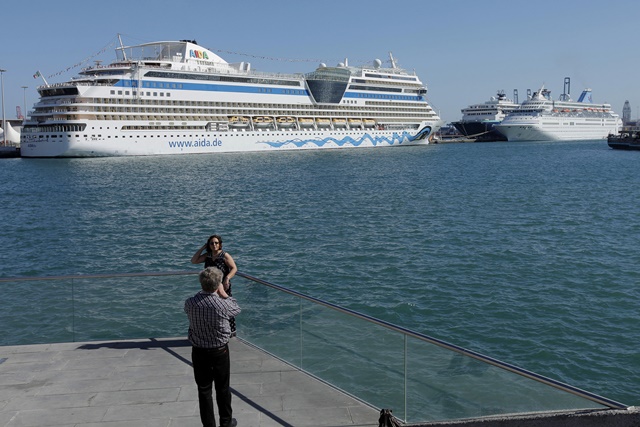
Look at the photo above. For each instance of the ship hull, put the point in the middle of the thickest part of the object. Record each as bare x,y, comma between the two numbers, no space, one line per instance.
572,130
149,144
480,130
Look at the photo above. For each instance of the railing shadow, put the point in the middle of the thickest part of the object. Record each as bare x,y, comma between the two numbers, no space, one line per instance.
167,346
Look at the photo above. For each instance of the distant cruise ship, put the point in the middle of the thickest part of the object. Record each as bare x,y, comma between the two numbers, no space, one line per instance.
542,119
176,97
478,120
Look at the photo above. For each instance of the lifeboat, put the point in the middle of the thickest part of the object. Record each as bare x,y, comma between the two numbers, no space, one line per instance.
323,123
305,122
286,122
238,122
262,121
369,123
355,123
339,123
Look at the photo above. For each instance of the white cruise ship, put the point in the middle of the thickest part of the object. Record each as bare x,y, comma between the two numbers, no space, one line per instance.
478,120
542,119
176,97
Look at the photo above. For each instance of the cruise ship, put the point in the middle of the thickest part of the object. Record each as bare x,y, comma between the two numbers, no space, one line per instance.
542,119
177,97
478,120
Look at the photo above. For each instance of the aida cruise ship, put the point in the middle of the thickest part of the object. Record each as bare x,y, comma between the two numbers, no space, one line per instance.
176,97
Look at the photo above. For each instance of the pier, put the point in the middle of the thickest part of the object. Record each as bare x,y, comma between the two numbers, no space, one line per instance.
149,383
297,361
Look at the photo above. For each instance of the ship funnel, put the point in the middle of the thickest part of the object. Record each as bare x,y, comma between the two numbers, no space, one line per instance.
585,96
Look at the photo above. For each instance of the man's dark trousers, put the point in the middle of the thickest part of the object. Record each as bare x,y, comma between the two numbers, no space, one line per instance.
211,367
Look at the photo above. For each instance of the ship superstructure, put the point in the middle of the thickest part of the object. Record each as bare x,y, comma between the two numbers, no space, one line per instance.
176,97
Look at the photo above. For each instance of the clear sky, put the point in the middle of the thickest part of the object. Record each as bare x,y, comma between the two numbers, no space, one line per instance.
464,50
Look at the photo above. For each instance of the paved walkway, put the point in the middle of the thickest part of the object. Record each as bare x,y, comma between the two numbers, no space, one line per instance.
149,383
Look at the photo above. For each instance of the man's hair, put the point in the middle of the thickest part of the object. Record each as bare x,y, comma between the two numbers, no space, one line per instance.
210,279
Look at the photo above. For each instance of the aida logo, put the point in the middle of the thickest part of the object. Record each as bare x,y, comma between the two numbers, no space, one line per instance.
198,54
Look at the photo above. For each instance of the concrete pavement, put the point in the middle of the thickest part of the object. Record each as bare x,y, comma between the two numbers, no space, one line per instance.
149,383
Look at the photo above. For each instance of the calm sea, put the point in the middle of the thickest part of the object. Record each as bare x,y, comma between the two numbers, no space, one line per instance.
526,252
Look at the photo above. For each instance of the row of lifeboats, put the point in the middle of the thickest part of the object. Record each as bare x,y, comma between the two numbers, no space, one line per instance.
566,110
302,122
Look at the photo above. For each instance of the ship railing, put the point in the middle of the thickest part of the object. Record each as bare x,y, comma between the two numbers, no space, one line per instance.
420,377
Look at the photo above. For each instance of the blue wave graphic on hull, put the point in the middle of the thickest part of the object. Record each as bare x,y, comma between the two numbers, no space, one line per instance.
377,140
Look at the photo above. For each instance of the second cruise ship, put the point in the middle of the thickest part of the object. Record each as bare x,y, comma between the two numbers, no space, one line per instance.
542,119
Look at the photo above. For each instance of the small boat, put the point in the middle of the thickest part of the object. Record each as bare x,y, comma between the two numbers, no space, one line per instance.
239,122
286,122
323,122
355,123
625,140
305,122
369,123
340,123
262,121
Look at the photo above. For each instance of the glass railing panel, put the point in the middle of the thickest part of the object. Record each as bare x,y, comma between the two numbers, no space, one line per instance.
270,319
48,317
361,358
132,307
444,385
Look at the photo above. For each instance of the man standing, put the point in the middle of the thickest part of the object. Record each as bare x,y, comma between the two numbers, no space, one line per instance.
209,332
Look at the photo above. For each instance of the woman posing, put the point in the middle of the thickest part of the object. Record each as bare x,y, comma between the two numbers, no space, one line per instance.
214,256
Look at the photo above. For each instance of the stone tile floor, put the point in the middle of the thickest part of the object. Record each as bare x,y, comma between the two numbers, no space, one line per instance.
149,383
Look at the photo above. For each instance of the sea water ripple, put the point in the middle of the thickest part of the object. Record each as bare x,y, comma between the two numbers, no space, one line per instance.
526,252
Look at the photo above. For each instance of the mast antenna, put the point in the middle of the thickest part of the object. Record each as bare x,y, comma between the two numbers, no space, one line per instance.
124,54
393,61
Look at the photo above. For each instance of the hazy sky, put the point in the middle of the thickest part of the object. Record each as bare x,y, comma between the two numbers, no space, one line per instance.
464,50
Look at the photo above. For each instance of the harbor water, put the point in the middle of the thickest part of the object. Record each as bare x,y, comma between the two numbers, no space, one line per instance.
526,252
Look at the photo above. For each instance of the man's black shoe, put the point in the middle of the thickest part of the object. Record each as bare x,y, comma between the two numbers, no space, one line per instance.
233,423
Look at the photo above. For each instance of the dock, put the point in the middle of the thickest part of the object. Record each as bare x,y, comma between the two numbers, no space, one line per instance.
149,383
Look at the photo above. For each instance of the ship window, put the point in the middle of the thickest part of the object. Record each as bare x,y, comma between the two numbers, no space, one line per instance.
113,92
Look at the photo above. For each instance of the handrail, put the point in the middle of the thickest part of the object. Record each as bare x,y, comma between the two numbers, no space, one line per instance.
95,276
452,347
